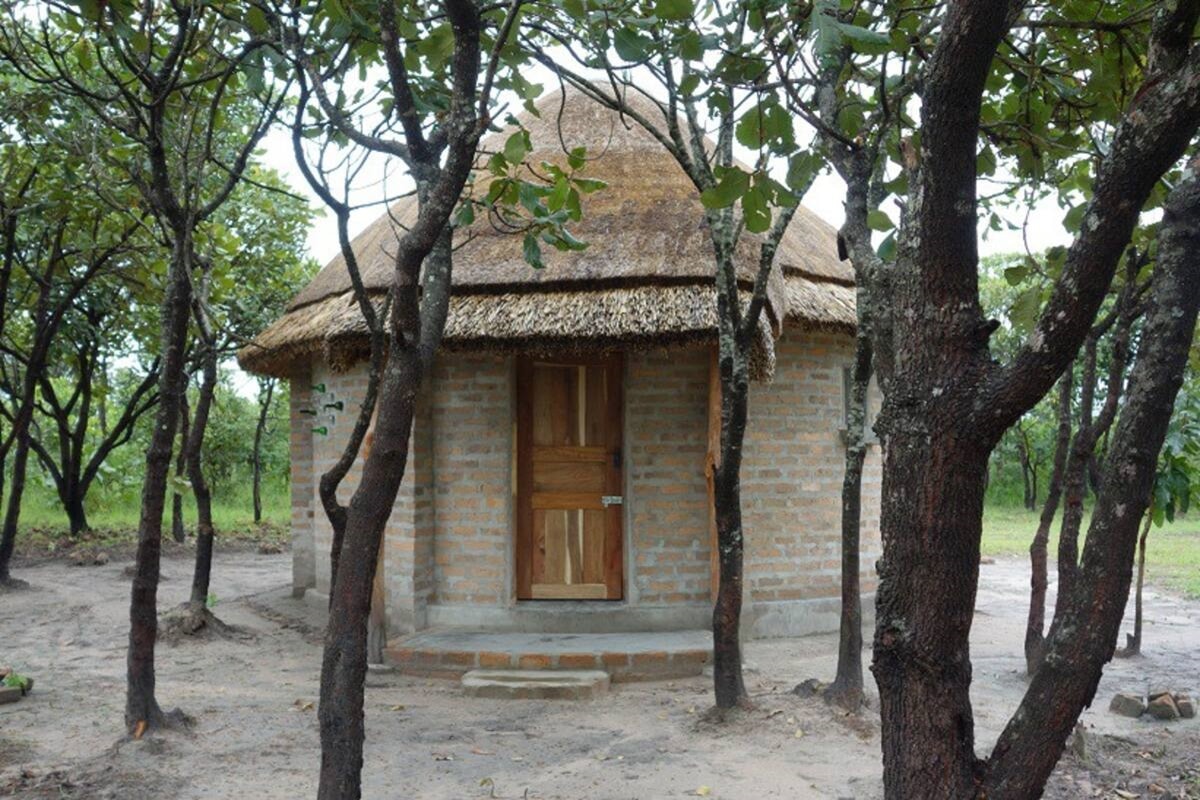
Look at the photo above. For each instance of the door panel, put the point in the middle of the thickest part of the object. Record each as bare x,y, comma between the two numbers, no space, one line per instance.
569,479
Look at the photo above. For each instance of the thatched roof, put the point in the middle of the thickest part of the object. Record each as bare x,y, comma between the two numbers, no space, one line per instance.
646,278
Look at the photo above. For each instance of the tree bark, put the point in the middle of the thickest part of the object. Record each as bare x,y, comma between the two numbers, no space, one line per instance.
1089,431
178,525
1029,501
264,410
76,514
141,706
1038,555
847,687
1082,638
205,532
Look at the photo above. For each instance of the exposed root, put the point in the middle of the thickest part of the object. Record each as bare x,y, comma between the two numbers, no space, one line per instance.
719,716
1133,647
11,584
847,698
194,621
851,699
159,722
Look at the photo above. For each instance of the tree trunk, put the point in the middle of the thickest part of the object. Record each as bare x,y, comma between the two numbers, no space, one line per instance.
178,528
205,533
1133,642
12,514
344,666
847,687
76,513
1038,556
1028,501
1083,636
141,707
728,683
264,409
934,485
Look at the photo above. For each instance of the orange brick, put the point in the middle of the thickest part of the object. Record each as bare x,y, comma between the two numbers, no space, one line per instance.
534,661
615,659
458,658
654,658
577,661
495,660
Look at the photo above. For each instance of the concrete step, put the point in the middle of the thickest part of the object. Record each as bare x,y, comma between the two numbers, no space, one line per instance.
534,684
642,656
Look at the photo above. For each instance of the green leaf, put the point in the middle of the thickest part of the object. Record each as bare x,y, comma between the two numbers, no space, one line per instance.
1025,308
1014,275
1074,217
802,169
691,46
533,251
877,220
466,214
756,211
689,84
629,44
558,196
887,248
516,147
588,185
731,186
256,19
674,9
577,157
864,40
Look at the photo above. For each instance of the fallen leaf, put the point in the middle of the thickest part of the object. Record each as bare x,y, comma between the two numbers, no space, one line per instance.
139,729
774,713
1124,795
481,752
799,734
304,705
703,791
398,707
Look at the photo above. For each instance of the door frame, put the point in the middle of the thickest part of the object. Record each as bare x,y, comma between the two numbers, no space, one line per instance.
614,550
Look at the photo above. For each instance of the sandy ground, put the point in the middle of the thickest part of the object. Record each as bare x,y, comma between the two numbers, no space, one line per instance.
255,732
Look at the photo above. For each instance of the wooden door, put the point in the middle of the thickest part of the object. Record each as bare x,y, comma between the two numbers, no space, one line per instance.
569,479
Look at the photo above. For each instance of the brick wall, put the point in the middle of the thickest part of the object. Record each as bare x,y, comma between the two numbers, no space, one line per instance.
472,424
346,388
666,424
792,475
304,568
450,542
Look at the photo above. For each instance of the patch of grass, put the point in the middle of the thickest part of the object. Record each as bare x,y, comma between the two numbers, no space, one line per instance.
114,519
1172,551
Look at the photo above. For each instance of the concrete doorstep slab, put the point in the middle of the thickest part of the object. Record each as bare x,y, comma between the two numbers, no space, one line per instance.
535,684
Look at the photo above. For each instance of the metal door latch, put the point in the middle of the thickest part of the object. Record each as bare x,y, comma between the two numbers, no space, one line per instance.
611,500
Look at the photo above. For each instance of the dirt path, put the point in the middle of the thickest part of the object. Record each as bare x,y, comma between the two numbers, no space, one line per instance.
256,734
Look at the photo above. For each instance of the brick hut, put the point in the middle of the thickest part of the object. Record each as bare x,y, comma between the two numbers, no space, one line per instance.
557,479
